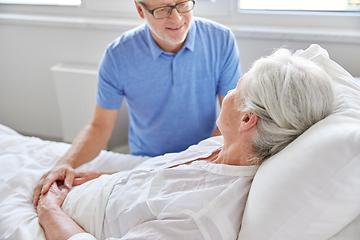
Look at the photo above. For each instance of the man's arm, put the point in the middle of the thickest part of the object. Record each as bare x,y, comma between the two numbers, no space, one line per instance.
87,145
217,131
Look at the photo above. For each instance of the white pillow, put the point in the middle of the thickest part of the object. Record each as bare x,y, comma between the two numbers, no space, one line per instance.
311,189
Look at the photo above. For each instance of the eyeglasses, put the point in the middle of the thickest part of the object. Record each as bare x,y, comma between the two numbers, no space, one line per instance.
164,12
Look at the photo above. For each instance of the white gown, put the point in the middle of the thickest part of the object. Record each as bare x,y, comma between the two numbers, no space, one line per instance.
200,200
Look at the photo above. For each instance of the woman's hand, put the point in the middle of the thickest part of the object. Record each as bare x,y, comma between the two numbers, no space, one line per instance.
51,202
56,224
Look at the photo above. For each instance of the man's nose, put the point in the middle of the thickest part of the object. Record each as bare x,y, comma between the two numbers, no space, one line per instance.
175,15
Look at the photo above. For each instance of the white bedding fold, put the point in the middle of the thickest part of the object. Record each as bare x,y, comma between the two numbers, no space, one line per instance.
23,160
18,217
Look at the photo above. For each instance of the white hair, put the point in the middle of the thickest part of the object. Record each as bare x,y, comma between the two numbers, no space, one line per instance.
289,94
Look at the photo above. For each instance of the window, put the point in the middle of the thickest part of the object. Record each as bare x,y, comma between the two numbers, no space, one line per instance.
44,2
301,5
237,14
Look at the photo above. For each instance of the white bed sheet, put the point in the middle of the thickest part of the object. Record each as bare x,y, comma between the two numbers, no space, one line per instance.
23,160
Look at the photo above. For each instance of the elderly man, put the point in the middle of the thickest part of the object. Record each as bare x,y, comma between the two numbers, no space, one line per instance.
170,70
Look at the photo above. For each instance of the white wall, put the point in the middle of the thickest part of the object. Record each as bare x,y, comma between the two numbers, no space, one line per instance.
345,54
28,49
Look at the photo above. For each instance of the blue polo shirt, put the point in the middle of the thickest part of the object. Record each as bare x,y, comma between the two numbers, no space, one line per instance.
171,98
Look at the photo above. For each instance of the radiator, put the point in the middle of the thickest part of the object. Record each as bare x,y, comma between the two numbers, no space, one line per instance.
75,86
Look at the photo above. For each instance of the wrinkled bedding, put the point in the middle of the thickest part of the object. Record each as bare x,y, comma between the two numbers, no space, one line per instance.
23,160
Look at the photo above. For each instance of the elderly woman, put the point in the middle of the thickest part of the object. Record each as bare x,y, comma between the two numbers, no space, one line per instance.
201,192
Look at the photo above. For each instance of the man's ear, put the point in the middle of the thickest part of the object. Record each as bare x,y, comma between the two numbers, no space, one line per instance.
248,121
139,9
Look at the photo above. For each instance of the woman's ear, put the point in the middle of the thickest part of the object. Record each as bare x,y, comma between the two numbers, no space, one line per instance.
248,121
139,9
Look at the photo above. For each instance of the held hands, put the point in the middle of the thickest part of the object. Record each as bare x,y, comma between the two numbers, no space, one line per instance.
63,172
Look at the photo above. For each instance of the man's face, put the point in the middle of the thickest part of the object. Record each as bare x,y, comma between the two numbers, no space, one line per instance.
168,32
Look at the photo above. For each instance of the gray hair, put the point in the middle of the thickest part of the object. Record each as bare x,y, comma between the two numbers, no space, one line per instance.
289,94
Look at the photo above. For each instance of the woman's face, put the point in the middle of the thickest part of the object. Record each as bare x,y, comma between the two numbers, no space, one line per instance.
230,115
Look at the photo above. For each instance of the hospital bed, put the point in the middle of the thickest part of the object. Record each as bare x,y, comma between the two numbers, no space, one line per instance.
310,190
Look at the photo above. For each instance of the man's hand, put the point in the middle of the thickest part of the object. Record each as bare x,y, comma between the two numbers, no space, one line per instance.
86,146
62,172
84,176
